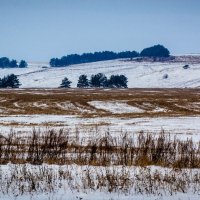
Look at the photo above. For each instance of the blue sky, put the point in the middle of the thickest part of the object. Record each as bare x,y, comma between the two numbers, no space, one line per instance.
36,30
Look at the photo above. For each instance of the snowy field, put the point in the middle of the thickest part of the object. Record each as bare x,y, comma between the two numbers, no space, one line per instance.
140,74
80,182
181,127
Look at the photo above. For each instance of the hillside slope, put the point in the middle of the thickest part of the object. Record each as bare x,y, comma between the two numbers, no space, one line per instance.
140,74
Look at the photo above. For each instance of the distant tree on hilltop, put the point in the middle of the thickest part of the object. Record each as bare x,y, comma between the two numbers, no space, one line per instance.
4,62
128,54
13,64
7,63
90,57
55,62
155,51
23,64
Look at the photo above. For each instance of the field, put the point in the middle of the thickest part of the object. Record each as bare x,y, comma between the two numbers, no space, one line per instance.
102,143
127,109
140,74
102,102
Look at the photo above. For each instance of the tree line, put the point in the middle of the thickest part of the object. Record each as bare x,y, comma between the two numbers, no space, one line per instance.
154,51
7,63
90,57
98,81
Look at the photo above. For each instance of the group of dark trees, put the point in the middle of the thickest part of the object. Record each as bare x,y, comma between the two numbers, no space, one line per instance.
91,57
7,63
154,51
10,81
115,81
98,81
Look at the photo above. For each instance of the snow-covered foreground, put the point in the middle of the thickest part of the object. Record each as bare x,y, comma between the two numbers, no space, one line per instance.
102,183
183,127
140,74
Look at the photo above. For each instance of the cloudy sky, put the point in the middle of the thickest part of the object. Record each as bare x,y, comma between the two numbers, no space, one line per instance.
37,30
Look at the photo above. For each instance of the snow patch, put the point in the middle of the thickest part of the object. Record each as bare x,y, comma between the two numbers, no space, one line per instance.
115,107
40,105
66,106
159,109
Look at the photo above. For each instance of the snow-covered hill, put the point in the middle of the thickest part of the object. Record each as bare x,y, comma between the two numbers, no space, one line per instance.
140,74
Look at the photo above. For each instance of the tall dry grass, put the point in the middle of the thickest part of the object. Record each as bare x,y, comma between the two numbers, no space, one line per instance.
19,180
58,147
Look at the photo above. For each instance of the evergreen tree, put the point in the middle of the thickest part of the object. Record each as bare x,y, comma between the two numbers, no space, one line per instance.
7,63
23,64
65,83
128,54
83,82
55,62
10,81
118,81
99,80
4,62
13,63
155,51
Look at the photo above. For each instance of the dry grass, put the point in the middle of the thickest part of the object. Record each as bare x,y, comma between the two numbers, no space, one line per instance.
24,179
174,102
57,147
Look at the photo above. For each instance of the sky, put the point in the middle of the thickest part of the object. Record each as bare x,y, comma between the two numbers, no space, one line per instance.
37,30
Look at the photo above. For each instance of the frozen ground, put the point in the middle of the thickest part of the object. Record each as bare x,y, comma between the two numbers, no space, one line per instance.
75,185
183,127
140,74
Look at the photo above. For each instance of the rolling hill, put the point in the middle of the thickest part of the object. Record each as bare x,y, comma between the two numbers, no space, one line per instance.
146,74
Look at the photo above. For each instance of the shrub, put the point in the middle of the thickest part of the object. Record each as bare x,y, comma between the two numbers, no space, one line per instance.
186,66
165,76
